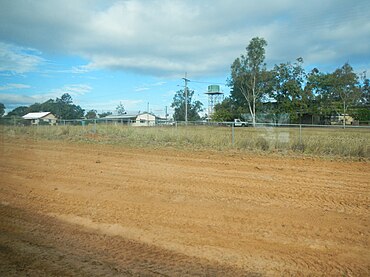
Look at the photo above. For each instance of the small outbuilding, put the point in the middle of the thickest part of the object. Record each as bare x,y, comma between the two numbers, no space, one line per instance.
41,118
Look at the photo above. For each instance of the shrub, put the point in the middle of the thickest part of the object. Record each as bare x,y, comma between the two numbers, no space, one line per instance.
262,144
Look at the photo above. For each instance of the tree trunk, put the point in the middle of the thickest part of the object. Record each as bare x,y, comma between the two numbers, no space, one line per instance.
254,101
254,112
250,105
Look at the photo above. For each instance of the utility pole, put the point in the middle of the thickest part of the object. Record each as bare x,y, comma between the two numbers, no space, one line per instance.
186,98
166,114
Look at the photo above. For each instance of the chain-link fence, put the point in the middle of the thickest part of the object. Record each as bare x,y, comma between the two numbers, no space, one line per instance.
271,137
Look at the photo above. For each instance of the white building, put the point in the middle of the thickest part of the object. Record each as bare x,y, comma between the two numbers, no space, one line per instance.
136,119
41,117
145,119
339,118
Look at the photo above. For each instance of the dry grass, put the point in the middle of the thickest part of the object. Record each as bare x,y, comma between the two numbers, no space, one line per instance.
351,142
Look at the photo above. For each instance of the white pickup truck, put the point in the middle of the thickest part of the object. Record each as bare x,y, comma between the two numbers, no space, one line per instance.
239,123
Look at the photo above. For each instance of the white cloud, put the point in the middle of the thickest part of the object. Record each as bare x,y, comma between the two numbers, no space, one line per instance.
146,87
21,99
73,90
139,89
14,86
129,104
15,99
80,69
18,59
167,38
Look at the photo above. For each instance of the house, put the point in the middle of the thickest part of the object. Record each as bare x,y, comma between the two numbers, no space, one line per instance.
145,119
134,119
41,118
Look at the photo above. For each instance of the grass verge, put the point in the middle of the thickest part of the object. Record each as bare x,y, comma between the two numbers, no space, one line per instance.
311,141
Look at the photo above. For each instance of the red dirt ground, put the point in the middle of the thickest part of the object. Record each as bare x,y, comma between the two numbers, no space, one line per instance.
98,210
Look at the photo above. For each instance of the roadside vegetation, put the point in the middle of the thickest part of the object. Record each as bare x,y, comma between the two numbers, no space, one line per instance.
289,91
349,142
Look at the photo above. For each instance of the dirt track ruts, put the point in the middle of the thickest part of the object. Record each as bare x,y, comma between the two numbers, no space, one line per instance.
88,209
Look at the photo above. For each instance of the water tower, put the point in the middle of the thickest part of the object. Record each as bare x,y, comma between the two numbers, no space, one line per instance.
214,97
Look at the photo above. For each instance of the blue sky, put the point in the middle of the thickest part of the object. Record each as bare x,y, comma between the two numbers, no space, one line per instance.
103,52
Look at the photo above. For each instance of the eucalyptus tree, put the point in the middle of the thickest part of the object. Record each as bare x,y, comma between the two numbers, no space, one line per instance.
193,107
65,109
346,87
289,89
320,86
227,110
249,76
62,108
335,92
365,90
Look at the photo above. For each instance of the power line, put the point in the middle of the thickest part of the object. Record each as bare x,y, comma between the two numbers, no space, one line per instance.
205,82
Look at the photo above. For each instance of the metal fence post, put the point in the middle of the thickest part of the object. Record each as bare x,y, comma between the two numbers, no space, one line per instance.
232,134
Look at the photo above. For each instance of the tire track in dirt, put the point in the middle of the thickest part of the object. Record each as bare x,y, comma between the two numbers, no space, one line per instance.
257,213
44,246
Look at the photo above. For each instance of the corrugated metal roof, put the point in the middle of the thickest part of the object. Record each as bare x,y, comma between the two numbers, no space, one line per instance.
126,116
35,115
122,116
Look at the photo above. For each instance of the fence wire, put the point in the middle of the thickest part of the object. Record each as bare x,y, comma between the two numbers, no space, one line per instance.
305,138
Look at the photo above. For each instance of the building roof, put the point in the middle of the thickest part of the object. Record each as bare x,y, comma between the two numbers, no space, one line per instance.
126,116
120,116
36,115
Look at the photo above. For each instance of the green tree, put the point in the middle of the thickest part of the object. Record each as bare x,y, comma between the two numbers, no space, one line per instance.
193,107
91,114
104,114
335,92
362,114
36,107
227,110
345,87
51,106
249,75
19,111
120,109
289,90
320,86
2,109
365,91
72,112
65,109
65,99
